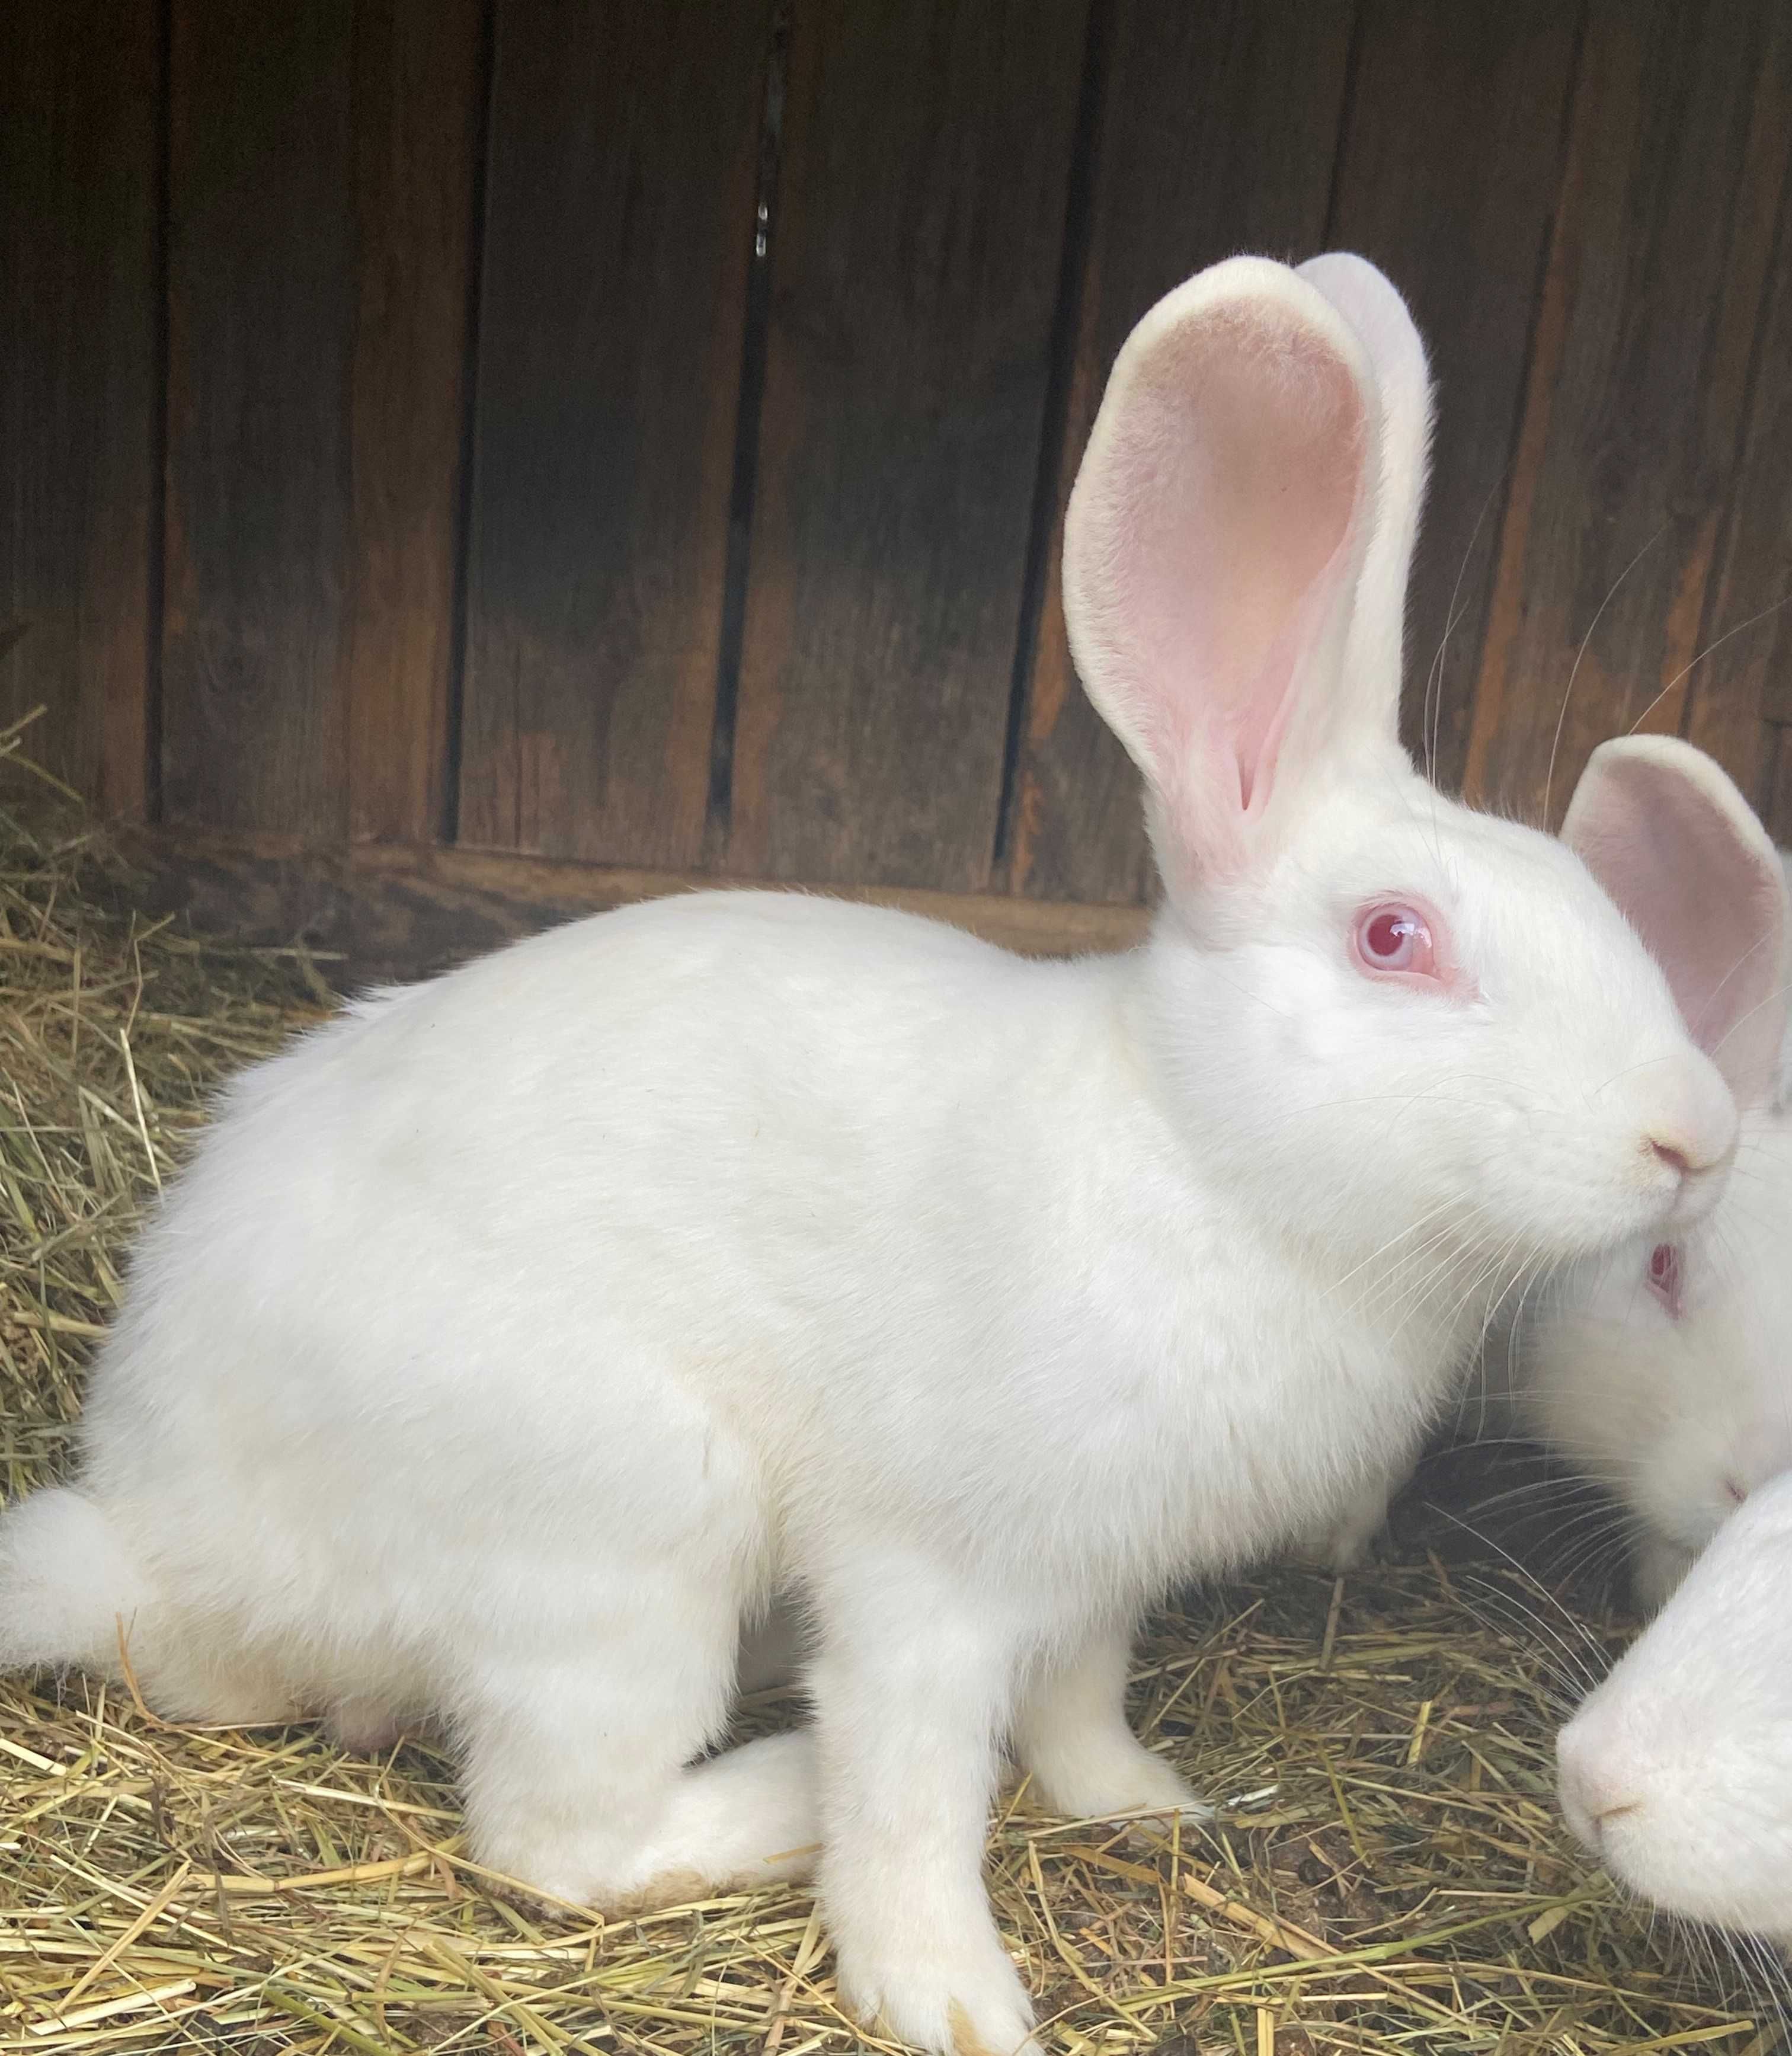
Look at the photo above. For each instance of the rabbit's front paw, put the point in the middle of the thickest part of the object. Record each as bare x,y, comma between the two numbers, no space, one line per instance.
1105,1775
964,2000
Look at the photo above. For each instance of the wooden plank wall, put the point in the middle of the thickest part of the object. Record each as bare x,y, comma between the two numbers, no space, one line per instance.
83,90
569,446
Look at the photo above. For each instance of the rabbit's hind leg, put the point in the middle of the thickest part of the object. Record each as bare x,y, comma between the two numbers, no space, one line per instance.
197,1679
575,1756
745,1818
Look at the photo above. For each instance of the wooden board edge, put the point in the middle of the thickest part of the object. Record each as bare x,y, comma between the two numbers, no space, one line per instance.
373,911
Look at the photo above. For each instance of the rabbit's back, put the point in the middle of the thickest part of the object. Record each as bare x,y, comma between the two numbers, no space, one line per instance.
489,1265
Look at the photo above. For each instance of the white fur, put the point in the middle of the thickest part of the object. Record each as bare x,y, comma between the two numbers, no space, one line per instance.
1681,1418
1677,1771
511,1339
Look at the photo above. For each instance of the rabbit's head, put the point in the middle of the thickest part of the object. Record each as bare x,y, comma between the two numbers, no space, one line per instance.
1677,1771
1396,1026
1664,1366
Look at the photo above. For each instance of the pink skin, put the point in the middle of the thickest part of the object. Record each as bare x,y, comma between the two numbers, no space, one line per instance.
1665,1276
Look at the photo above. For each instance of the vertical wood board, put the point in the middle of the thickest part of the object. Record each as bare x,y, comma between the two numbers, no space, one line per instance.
1777,810
1637,393
618,231
916,268
78,322
262,282
1218,132
1741,679
1447,180
418,85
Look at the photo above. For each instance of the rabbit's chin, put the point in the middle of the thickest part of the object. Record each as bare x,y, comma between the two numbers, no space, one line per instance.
1708,1856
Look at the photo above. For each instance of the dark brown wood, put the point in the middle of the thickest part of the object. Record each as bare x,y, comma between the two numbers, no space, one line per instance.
1218,131
916,264
1447,178
262,282
373,911
78,320
1777,811
1742,679
619,230
419,87
1637,393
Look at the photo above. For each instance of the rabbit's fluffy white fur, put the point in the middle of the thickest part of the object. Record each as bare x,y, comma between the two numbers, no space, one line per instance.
1677,1771
1676,1395
509,1340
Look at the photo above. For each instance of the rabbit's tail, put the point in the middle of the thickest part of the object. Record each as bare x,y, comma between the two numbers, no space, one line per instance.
68,1587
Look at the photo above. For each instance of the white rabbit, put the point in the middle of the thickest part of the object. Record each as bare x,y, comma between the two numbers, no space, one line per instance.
1677,1771
1663,1369
510,1339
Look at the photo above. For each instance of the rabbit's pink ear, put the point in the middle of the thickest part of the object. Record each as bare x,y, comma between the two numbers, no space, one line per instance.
1674,843
1379,319
1211,553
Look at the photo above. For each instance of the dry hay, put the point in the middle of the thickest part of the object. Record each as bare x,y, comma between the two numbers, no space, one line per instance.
1386,1872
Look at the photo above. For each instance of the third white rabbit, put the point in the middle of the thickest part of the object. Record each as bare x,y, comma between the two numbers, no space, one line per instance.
1677,1771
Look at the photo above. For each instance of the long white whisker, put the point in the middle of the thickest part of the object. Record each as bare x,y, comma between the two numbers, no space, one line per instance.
1718,644
1555,744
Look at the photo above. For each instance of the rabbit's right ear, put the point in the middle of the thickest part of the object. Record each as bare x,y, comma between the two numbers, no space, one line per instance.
1212,549
1664,831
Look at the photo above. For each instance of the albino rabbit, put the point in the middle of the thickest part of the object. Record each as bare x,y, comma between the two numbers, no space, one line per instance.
1677,1771
510,1340
1663,1368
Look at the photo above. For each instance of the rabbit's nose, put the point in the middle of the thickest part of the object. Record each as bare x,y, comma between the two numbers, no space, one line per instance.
1686,1128
1690,1151
1593,1784
1692,1132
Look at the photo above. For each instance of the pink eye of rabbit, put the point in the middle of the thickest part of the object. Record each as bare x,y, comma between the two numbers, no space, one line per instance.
1665,1276
1395,940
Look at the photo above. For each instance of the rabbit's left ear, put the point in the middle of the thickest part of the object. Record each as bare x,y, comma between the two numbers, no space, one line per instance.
1379,318
1235,549
1666,832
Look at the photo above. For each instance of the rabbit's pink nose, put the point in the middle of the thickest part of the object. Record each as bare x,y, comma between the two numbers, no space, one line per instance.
1690,1147
1685,1122
1594,1789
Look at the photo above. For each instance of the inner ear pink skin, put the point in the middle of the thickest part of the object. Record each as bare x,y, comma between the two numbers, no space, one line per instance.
1251,441
1211,535
1665,1268
1673,843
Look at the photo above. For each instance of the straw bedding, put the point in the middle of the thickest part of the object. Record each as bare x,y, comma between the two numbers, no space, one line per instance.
1386,1871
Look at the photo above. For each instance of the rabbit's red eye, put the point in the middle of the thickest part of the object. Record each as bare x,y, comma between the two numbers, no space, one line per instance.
1397,939
1665,1275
